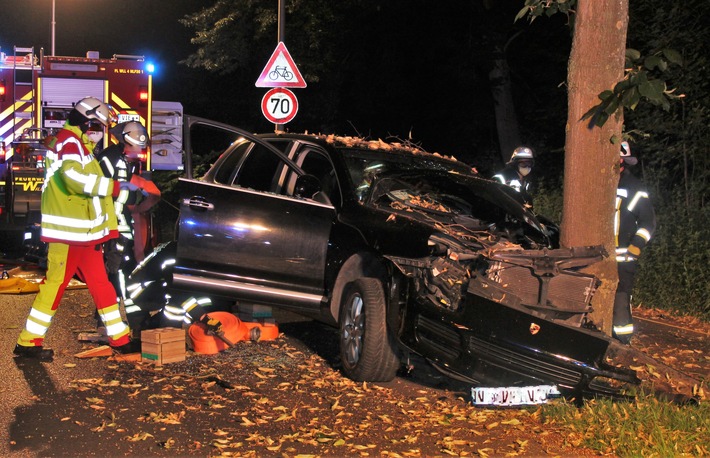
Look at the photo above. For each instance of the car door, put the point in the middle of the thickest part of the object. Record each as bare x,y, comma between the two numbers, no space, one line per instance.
240,232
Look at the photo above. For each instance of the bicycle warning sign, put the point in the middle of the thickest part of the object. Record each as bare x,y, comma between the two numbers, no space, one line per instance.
280,70
279,105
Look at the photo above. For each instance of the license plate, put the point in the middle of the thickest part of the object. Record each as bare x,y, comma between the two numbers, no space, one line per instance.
122,117
513,396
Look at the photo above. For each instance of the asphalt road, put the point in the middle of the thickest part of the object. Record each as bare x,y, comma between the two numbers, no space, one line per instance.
33,392
27,387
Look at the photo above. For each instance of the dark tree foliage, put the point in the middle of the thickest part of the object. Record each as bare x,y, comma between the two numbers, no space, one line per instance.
416,70
674,157
419,70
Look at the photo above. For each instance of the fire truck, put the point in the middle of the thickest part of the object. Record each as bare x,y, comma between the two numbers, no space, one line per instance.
36,94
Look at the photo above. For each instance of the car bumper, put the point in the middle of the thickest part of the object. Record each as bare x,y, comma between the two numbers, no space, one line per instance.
491,344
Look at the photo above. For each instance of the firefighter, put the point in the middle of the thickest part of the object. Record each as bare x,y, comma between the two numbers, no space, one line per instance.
121,161
516,173
152,304
634,224
78,216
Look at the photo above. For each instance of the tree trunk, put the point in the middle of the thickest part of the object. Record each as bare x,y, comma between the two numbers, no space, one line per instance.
506,119
592,161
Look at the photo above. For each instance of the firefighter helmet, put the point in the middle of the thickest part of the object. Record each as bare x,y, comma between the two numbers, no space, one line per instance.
93,108
520,153
135,134
625,153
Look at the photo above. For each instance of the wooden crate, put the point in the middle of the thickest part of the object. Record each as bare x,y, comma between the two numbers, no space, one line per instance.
163,345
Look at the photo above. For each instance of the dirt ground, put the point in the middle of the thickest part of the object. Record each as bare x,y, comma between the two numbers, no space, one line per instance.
279,398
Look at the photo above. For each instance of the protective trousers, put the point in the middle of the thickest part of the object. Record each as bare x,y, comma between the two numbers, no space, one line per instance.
623,322
63,261
119,261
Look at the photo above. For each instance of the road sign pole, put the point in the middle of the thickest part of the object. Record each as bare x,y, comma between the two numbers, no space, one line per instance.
281,38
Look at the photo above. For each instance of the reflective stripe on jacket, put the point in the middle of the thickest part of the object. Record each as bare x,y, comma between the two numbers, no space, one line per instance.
77,200
509,176
114,165
634,219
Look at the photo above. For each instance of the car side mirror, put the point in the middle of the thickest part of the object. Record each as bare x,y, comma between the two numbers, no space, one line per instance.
307,186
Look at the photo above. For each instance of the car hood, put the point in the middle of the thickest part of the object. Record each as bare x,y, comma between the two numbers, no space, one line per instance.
417,204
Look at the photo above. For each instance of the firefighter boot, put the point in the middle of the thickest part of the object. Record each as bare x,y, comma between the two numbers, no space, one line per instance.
37,352
133,346
623,325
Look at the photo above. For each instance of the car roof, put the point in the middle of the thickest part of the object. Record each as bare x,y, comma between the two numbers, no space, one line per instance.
379,145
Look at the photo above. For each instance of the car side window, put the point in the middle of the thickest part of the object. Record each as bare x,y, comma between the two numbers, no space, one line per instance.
258,170
313,162
229,166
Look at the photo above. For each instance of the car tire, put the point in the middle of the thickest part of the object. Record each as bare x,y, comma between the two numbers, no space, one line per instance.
367,351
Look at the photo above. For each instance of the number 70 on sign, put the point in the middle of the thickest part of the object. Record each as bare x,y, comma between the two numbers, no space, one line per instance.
279,105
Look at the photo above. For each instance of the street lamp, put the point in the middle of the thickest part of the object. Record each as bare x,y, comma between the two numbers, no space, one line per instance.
54,23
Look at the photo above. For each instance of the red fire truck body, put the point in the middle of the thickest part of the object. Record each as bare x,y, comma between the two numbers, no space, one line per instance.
36,95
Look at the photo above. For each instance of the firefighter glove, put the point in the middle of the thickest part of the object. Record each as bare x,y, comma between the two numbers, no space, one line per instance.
128,186
634,250
213,325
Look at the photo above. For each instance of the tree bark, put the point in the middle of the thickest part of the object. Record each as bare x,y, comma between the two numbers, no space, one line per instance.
591,160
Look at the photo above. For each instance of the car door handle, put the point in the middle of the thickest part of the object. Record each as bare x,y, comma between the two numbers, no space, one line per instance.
198,203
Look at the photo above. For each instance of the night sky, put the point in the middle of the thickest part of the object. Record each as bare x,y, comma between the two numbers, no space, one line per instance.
138,27
416,69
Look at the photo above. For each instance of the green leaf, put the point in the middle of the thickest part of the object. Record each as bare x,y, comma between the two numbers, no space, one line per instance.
652,90
590,113
673,56
601,119
612,106
631,98
603,96
652,62
633,54
622,86
521,14
641,77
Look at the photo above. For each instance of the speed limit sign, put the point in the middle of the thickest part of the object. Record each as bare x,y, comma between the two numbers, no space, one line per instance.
279,105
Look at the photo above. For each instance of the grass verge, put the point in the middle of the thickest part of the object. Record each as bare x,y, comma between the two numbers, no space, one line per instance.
645,427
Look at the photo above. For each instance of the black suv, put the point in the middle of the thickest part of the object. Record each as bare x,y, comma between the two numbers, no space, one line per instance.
402,250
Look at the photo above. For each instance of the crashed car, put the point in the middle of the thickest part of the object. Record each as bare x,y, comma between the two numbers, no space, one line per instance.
404,252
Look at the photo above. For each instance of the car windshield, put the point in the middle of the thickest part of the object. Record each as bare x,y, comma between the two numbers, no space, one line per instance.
365,167
430,188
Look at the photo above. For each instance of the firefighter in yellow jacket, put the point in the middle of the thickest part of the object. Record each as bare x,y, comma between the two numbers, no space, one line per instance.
77,218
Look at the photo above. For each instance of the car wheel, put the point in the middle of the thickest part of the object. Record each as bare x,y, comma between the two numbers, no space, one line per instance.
367,351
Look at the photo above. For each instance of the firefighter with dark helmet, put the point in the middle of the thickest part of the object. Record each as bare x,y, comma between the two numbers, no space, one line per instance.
78,216
121,161
152,303
516,173
634,225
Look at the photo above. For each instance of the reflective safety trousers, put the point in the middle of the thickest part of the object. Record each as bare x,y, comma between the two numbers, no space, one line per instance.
63,261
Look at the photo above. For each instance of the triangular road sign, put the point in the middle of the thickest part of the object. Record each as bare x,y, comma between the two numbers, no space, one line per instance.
281,70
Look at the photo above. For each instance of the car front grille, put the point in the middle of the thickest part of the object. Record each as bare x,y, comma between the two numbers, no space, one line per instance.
448,341
438,335
568,294
523,364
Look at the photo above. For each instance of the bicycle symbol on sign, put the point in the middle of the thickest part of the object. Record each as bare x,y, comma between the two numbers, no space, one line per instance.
282,72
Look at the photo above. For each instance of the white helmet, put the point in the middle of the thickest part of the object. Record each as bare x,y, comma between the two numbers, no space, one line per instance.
520,153
134,133
93,108
625,154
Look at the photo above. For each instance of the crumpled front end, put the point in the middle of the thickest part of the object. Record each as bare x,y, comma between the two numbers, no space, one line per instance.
510,317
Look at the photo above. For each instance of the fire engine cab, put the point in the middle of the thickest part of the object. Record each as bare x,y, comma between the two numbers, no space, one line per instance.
36,94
